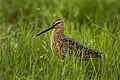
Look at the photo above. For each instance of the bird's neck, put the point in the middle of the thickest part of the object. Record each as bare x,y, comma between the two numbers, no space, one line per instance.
57,33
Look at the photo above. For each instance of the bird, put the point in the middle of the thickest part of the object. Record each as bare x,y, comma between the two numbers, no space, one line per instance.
62,45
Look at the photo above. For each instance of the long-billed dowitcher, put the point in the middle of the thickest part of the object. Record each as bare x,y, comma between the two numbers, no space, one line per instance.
61,44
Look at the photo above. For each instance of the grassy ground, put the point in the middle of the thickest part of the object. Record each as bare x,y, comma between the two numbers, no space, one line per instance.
94,23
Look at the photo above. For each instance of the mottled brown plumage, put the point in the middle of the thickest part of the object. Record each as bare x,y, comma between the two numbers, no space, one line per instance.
61,44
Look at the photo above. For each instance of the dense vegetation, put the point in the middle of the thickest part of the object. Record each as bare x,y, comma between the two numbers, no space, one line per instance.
94,23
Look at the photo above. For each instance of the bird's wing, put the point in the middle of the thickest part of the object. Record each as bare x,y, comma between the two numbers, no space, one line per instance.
72,46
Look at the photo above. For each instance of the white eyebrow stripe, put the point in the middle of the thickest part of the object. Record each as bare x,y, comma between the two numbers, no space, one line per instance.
57,22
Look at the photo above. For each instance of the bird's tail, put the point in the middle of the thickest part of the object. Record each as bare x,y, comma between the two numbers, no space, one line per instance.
88,53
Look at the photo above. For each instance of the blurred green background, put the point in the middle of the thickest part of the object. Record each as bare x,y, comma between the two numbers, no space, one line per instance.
14,12
93,23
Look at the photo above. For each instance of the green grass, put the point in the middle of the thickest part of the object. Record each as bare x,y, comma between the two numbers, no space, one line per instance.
94,23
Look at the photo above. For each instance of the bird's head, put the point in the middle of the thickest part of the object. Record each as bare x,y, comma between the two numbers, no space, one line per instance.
57,25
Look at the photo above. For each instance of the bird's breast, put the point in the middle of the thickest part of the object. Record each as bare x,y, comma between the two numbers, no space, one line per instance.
56,42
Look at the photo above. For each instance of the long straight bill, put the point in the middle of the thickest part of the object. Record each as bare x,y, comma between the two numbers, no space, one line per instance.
45,30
